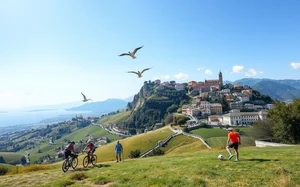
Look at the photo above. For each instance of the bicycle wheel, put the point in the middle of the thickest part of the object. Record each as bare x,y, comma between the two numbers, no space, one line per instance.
86,161
74,163
65,166
94,160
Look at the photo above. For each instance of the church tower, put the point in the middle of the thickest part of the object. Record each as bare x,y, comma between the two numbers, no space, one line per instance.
220,80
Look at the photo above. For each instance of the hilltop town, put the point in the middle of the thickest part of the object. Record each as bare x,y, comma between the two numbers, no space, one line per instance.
219,103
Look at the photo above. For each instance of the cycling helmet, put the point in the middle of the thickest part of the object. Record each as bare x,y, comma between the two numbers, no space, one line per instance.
73,142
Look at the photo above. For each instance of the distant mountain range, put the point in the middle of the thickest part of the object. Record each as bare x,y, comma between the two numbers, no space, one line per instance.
106,106
286,89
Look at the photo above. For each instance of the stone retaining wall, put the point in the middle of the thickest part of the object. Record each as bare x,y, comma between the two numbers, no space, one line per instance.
261,143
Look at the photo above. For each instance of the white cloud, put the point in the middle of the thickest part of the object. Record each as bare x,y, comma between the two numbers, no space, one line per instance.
208,72
166,77
251,73
200,69
181,76
237,69
163,77
295,65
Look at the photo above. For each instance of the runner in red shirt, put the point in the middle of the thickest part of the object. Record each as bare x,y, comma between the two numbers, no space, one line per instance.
235,140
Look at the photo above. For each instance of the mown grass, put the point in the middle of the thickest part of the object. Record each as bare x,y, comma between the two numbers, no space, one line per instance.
217,137
116,118
210,132
221,141
271,166
181,143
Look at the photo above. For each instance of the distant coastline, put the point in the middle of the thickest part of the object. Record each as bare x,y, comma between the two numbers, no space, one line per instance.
40,110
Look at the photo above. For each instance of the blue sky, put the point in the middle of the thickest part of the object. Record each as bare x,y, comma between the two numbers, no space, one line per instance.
52,50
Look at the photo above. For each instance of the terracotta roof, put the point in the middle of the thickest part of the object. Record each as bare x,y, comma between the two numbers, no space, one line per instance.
212,81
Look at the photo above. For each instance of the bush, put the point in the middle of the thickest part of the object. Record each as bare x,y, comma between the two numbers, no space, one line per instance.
100,180
185,129
169,119
78,176
3,170
158,152
135,154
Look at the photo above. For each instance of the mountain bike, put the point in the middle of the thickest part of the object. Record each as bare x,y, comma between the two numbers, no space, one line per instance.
71,162
87,160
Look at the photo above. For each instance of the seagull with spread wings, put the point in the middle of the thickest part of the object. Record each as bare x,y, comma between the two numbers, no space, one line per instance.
84,98
139,73
131,54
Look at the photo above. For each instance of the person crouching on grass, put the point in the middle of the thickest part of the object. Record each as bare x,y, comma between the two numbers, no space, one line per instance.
235,139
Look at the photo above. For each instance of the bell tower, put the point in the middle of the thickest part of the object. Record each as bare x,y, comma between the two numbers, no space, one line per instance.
220,80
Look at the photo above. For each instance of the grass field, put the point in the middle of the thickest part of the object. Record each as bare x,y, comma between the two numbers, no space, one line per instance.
272,166
141,141
11,158
221,141
116,118
217,137
183,144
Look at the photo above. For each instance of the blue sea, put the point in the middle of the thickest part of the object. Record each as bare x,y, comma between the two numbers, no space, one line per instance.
35,117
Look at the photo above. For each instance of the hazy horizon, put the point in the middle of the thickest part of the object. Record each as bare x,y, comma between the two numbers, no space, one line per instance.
51,51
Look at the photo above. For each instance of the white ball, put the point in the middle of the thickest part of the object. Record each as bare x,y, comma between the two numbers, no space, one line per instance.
220,157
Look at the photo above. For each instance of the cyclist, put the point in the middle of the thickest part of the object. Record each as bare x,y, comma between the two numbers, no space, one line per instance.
91,148
69,150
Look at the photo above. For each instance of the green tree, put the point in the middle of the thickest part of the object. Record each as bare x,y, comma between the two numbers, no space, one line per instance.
286,121
23,160
262,129
182,121
169,119
2,159
172,108
185,129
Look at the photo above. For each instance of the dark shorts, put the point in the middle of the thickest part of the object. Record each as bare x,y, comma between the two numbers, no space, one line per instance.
68,153
93,150
234,145
118,152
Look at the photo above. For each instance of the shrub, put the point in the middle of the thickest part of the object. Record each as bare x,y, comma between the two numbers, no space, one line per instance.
78,176
185,129
135,154
3,170
100,180
158,152
63,183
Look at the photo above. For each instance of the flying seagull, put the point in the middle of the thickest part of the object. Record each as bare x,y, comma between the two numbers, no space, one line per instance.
84,98
131,54
139,73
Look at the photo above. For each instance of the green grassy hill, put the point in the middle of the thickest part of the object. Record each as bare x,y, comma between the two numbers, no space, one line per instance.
141,141
183,144
271,166
11,158
116,118
216,137
84,133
